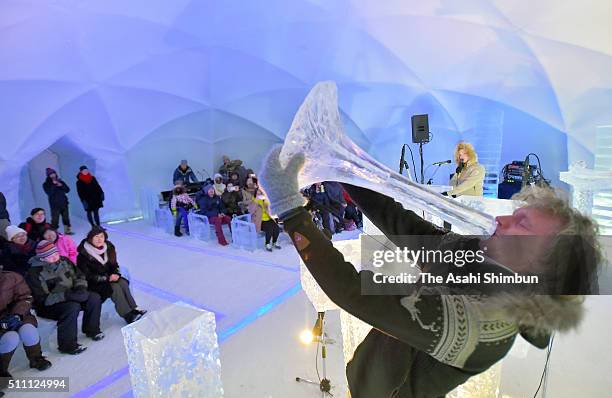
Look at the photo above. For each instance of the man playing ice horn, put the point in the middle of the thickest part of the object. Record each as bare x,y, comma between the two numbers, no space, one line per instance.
425,344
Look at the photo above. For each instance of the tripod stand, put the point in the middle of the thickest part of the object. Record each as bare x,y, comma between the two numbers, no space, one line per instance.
320,337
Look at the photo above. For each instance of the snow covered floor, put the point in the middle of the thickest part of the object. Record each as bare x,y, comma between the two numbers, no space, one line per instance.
256,296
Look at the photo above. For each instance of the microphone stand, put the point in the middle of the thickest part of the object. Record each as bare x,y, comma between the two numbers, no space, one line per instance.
434,174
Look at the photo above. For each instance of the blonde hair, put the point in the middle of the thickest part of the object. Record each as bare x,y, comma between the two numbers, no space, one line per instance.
576,254
469,150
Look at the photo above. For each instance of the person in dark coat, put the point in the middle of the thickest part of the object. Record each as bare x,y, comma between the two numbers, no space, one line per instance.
231,197
60,293
5,220
17,324
212,207
184,173
426,343
319,202
97,259
91,195
56,190
36,224
17,251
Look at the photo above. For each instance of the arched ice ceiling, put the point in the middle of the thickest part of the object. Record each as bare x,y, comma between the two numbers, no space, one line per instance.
111,72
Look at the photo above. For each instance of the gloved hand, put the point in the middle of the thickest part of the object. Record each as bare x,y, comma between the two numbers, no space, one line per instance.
80,295
281,184
10,322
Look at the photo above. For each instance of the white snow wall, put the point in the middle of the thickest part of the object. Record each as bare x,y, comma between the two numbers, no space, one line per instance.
136,86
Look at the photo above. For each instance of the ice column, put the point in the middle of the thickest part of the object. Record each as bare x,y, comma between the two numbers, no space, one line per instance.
174,352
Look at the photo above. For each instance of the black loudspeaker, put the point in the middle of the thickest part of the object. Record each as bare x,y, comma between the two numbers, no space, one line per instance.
420,129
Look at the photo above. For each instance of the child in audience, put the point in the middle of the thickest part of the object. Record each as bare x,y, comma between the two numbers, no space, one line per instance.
36,224
212,207
219,185
18,250
64,243
17,324
97,259
268,224
231,197
60,293
180,204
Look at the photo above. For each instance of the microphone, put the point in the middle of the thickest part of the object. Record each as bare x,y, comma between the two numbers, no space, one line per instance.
441,163
402,161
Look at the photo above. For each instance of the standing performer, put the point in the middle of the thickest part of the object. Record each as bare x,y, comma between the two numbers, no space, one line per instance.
469,175
425,345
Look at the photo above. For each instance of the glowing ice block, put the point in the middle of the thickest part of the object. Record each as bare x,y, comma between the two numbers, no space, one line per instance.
174,352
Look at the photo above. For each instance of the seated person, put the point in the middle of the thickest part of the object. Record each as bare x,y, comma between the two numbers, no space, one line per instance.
229,166
18,250
351,212
97,259
231,197
180,204
234,179
60,293
319,203
64,243
36,224
336,202
184,173
268,224
248,205
219,185
212,207
17,324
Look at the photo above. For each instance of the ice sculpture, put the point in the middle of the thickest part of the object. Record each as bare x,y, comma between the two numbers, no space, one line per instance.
318,133
174,352
584,183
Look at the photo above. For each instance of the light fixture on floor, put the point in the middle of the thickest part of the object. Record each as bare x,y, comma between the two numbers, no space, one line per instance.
317,334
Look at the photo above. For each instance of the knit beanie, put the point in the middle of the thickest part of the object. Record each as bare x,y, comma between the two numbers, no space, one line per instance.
44,249
50,171
12,231
36,210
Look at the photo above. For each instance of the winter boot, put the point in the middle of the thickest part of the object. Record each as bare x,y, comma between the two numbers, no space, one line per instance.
177,232
5,361
68,230
36,358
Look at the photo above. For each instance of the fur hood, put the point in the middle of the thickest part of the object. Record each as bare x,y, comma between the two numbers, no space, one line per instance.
538,316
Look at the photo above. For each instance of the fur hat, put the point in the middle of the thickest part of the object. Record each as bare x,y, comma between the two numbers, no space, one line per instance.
12,231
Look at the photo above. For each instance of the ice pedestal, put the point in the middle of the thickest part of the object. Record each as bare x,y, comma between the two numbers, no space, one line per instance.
174,352
585,184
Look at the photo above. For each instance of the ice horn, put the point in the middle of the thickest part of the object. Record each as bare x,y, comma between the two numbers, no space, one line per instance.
318,133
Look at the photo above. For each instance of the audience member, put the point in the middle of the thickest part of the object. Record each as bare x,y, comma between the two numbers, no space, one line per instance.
18,250
352,215
184,173
17,324
248,204
219,185
212,207
337,203
5,220
268,224
64,243
180,204
60,293
56,190
231,197
36,224
229,166
97,259
234,179
91,195
319,203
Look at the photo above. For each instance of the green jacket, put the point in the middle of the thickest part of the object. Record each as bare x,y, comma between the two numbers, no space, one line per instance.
420,345
50,282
